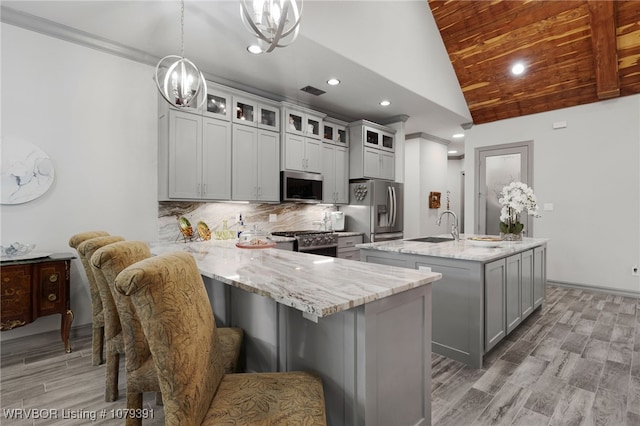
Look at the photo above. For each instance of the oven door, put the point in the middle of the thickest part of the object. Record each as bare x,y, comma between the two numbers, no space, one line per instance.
322,251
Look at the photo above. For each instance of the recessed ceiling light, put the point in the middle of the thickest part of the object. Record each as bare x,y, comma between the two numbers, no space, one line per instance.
517,68
385,103
333,82
459,135
255,49
452,152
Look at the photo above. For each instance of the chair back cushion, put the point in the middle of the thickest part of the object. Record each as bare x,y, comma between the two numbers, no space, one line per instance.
85,251
107,262
169,297
75,240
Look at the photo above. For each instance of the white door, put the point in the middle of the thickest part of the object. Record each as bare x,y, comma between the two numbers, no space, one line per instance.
371,163
497,167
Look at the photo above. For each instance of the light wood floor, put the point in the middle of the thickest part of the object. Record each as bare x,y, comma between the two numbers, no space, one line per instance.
575,362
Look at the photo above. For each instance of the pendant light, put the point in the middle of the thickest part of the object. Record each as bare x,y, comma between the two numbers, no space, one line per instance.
178,79
275,23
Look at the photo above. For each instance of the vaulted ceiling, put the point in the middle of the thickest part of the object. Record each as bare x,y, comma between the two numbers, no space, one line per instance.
575,52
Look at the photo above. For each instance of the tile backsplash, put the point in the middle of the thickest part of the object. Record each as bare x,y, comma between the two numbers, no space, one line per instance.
290,216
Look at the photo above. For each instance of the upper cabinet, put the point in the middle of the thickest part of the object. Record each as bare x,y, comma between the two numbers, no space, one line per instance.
199,147
194,155
256,112
303,122
371,151
218,103
301,140
335,132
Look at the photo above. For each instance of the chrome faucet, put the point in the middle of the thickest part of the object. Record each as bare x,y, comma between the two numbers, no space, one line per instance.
454,227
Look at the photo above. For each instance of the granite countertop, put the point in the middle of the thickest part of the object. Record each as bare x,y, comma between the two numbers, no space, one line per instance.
316,285
462,249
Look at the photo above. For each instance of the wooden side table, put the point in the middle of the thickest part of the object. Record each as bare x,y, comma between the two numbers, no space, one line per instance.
34,288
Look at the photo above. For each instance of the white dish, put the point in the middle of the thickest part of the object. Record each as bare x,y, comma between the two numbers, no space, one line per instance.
484,242
28,256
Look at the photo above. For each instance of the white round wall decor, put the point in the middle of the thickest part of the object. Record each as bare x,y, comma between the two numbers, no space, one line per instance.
27,172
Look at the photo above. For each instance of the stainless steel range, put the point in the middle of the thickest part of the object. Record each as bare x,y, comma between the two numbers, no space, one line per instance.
314,242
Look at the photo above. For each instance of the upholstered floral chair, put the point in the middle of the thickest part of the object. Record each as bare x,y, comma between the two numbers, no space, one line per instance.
97,316
169,297
113,342
107,263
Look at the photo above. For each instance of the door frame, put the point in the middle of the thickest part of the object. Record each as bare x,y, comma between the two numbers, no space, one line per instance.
523,147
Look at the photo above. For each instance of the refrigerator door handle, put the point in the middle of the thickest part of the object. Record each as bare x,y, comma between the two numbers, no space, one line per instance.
395,206
391,205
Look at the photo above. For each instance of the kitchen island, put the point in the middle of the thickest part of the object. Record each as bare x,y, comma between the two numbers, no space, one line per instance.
365,328
484,293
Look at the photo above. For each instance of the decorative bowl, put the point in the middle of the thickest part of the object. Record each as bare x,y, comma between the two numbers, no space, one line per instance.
17,249
485,241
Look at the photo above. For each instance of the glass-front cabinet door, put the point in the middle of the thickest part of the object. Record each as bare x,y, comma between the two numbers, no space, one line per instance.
268,117
218,104
313,124
372,137
303,123
295,122
245,111
388,141
334,133
380,139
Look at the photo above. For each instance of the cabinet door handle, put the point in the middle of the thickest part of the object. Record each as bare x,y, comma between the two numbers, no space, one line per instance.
53,278
52,297
204,189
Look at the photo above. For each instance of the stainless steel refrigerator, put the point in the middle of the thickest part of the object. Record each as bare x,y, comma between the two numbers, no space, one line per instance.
375,209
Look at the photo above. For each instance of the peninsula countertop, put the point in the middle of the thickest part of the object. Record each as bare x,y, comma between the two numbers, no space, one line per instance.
317,285
462,249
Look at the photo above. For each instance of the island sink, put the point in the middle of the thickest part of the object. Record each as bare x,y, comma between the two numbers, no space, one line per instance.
431,239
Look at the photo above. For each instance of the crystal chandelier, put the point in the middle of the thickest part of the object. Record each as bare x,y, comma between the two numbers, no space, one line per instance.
274,22
177,78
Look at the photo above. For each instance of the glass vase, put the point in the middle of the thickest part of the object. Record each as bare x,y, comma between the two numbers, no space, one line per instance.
511,236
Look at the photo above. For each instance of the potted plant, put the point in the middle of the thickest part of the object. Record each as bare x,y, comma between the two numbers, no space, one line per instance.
515,199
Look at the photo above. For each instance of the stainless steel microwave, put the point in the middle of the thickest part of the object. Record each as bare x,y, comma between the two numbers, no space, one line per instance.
300,187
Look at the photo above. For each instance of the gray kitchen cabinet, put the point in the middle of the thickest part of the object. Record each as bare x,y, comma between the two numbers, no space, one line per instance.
302,139
513,291
302,153
371,151
475,301
335,165
194,155
255,157
347,247
495,285
526,288
539,275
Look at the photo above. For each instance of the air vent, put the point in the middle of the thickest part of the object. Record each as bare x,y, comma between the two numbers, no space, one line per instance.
313,90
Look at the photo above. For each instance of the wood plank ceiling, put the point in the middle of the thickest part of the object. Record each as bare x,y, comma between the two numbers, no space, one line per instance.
576,52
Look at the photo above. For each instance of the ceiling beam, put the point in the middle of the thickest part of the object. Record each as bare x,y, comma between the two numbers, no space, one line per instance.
603,39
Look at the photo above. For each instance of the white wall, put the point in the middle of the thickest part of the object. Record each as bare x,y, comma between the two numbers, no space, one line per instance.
425,172
454,186
590,171
94,114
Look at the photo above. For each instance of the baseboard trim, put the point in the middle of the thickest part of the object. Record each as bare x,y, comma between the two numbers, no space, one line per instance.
607,290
